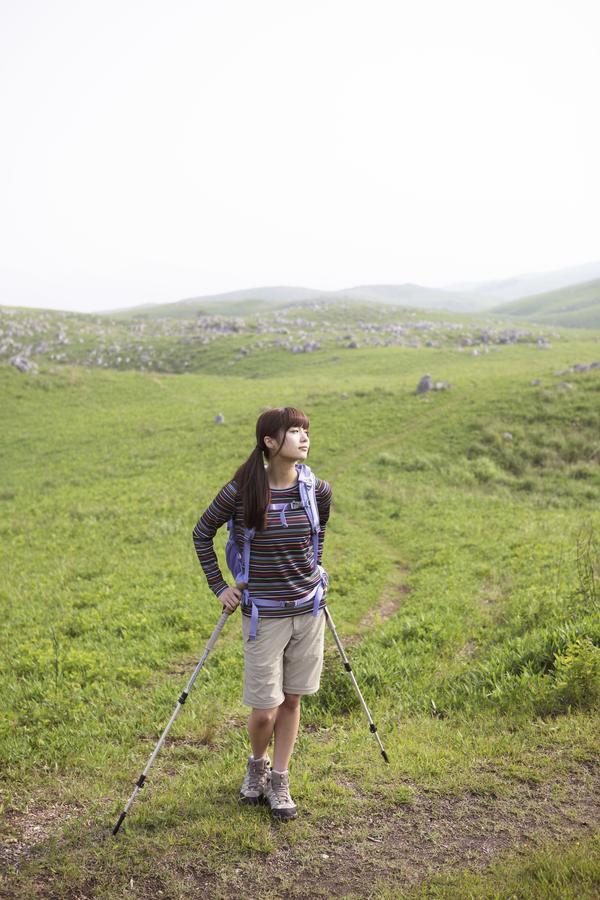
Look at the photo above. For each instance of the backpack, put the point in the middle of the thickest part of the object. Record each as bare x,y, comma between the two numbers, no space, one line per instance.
238,547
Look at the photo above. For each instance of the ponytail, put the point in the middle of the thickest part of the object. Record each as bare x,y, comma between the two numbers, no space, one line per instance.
253,486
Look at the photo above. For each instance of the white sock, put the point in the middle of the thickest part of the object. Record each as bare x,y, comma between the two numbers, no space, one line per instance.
285,771
259,758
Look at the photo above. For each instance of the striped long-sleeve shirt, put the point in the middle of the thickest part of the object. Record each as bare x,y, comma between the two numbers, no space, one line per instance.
281,558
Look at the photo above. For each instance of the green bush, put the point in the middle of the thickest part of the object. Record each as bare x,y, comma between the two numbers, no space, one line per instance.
485,469
576,681
546,672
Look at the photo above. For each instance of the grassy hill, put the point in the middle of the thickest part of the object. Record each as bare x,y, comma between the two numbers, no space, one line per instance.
231,303
267,299
531,283
464,561
575,306
214,343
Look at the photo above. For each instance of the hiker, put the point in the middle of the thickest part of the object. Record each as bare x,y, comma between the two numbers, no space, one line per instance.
282,602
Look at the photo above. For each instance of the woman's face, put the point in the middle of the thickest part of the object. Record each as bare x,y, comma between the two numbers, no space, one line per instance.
296,444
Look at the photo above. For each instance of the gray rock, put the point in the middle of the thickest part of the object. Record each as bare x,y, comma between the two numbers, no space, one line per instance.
535,381
565,385
219,419
507,436
23,364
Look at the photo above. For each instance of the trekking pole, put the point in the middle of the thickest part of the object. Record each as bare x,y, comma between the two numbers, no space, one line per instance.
182,698
348,668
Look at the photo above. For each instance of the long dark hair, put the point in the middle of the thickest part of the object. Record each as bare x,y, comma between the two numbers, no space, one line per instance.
251,477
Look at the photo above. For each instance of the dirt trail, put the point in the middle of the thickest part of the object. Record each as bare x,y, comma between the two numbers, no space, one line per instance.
404,845
25,830
421,420
390,599
400,845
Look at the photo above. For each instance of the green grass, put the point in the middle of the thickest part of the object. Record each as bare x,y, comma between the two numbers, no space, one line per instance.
577,306
485,678
566,871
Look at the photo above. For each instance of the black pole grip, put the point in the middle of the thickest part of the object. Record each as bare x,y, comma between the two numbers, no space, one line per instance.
118,825
385,756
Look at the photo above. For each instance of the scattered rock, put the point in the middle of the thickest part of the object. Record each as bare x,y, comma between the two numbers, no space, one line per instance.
23,364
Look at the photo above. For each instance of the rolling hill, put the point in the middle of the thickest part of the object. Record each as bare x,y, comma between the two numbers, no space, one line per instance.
263,299
533,283
574,306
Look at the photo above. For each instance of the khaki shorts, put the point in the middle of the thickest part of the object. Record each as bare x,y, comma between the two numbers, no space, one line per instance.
285,658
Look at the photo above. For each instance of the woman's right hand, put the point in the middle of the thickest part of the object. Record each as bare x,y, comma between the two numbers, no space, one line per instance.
230,598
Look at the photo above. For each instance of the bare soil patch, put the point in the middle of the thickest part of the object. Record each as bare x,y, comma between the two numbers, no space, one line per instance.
389,603
23,830
399,845
405,844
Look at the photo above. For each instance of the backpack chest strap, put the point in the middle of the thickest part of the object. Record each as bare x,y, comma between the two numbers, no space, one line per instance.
281,507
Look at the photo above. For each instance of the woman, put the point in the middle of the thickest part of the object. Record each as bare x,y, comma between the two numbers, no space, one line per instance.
285,658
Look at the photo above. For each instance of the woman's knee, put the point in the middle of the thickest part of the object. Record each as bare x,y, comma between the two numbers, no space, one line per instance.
292,701
263,717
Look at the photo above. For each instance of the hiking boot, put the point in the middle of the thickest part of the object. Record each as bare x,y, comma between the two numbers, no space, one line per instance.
254,786
278,796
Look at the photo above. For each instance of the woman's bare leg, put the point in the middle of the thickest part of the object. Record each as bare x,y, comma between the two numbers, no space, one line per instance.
260,729
286,731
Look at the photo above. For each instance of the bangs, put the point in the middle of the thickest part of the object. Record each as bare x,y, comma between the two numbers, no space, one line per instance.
275,422
294,418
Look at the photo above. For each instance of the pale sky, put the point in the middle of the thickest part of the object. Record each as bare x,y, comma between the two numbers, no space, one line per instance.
153,151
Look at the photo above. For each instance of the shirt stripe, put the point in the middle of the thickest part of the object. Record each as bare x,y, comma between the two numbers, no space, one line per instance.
281,556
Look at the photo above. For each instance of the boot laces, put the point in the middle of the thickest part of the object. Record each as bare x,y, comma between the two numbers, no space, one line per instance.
256,774
280,785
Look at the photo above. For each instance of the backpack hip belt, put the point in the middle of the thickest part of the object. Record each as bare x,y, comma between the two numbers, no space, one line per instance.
315,595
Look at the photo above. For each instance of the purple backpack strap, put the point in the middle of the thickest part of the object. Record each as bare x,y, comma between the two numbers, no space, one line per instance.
308,494
307,485
238,558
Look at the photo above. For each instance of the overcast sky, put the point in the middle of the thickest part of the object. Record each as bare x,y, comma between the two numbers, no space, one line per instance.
153,151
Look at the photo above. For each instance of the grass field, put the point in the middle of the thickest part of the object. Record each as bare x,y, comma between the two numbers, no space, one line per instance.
464,555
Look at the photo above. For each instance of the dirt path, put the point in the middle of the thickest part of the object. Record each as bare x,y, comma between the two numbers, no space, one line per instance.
404,845
24,830
399,845
422,419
